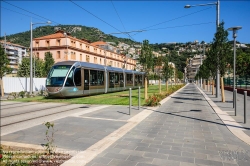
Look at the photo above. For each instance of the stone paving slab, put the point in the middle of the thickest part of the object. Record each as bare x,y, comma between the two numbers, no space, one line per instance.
70,133
115,113
183,131
227,107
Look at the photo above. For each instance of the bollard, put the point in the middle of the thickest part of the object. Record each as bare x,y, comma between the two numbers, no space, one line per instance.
129,100
245,105
233,97
139,98
235,101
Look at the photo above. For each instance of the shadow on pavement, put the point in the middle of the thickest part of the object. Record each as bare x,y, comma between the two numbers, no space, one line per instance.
202,120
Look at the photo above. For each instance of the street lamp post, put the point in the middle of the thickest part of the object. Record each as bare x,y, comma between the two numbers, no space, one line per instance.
66,52
217,25
31,53
234,29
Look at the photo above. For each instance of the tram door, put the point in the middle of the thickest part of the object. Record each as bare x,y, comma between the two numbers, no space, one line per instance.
86,80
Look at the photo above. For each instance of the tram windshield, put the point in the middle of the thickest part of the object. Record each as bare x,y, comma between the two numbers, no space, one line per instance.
57,75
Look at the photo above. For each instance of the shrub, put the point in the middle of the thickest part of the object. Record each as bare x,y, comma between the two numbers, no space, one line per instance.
153,100
22,94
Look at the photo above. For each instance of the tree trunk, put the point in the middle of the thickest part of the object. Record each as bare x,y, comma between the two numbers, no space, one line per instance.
208,85
167,85
146,89
1,85
222,90
213,87
159,85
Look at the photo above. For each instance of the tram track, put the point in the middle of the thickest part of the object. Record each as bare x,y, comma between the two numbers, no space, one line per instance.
32,111
5,125
19,104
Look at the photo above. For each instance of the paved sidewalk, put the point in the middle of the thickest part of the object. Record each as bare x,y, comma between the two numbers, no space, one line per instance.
184,131
227,107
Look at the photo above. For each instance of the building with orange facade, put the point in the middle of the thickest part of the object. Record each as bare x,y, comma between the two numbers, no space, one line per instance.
64,47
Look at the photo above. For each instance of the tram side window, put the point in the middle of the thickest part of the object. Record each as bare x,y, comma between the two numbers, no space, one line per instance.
111,79
116,78
77,77
136,79
140,79
121,78
100,78
69,81
93,77
129,79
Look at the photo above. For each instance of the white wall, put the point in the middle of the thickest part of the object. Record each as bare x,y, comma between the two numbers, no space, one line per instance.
18,84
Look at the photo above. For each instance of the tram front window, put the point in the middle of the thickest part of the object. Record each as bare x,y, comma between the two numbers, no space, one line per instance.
57,75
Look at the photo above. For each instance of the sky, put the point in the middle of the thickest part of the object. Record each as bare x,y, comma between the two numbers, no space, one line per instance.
162,21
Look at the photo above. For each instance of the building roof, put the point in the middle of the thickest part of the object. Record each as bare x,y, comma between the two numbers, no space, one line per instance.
57,34
99,43
9,43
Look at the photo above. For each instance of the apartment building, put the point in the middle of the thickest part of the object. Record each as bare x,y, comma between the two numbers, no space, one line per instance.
64,47
14,53
193,65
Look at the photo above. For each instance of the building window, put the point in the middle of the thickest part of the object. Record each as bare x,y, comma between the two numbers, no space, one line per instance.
37,55
80,57
87,58
100,61
87,48
37,43
58,56
95,60
80,45
73,55
58,42
47,43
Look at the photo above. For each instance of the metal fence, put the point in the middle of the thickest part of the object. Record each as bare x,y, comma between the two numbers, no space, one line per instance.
240,82
18,84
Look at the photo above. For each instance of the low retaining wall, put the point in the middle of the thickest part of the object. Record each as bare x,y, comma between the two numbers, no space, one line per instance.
239,90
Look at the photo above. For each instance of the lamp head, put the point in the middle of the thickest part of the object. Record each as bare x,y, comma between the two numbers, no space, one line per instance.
234,28
187,6
48,22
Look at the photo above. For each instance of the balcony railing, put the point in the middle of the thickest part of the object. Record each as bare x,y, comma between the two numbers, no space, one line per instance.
13,62
12,57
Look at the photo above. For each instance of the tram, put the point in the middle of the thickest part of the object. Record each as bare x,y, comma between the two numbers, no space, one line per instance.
74,79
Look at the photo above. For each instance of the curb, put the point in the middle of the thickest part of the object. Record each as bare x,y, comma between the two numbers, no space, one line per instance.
229,122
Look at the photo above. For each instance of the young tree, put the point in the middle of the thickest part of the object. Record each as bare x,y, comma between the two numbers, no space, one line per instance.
167,71
48,62
39,69
146,61
220,52
24,68
4,68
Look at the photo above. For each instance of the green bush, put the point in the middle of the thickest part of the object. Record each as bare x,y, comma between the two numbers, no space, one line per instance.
22,94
